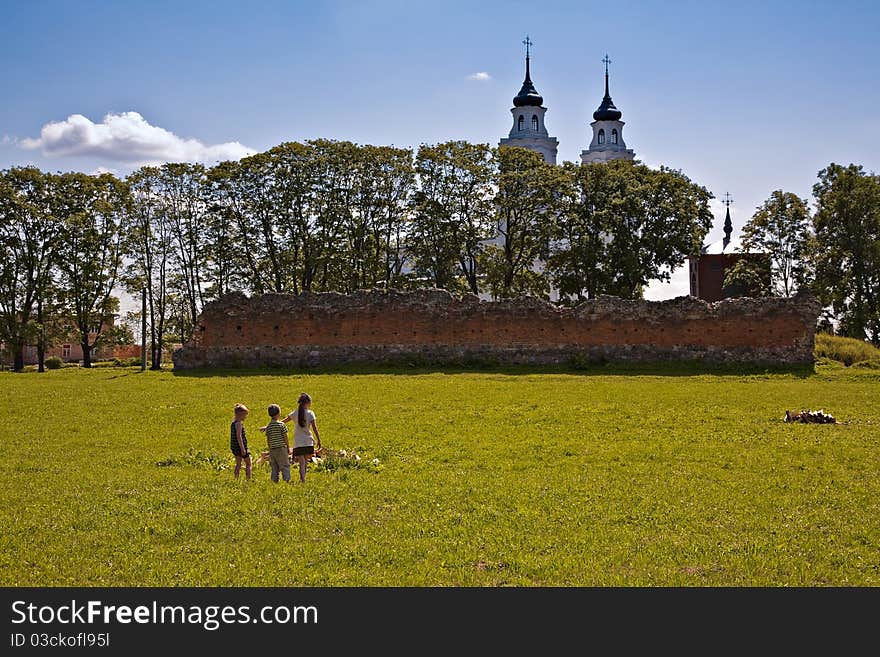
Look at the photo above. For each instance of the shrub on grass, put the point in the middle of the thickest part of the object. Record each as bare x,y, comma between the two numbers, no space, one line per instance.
870,364
844,350
127,362
54,363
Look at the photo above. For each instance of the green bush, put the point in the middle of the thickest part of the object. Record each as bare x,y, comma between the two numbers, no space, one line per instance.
127,362
844,350
54,363
870,364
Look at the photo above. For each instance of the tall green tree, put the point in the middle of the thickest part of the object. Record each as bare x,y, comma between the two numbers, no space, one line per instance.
222,249
578,245
181,186
846,252
750,277
454,210
780,228
332,241
235,239
294,183
654,218
526,205
433,243
29,231
383,203
94,212
248,196
149,246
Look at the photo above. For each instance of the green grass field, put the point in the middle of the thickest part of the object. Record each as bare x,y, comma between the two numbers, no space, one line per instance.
605,477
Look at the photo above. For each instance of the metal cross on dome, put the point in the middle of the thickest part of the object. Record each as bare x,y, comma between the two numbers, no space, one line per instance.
528,43
728,199
606,60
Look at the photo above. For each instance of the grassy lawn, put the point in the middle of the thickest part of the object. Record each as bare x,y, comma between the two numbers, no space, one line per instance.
607,477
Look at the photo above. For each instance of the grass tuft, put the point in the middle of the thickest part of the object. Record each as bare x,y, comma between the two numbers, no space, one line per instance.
845,350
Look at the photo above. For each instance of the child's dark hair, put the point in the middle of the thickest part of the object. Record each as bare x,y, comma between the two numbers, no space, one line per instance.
301,413
274,409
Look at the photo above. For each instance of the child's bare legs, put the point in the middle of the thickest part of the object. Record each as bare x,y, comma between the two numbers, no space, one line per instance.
247,466
302,467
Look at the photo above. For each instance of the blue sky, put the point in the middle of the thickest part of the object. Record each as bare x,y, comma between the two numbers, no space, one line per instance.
745,97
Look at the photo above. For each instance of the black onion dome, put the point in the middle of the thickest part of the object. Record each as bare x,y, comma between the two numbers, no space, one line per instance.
528,96
607,111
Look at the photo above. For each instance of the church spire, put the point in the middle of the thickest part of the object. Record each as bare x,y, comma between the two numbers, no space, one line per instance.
528,130
607,61
607,111
728,224
527,43
528,95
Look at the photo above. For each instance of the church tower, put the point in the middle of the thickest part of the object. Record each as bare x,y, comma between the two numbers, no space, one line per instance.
607,128
528,129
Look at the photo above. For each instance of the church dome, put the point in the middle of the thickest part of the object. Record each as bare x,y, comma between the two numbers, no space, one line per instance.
528,96
607,111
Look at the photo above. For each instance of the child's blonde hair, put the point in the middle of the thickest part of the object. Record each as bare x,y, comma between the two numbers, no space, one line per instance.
241,408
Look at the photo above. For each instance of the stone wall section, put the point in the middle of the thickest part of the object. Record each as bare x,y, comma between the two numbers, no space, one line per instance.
434,326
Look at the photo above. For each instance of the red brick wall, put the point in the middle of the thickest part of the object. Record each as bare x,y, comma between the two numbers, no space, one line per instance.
428,319
401,327
123,351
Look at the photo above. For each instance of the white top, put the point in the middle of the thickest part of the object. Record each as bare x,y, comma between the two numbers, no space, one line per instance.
302,436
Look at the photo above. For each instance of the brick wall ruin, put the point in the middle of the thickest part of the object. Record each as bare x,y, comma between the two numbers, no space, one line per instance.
434,326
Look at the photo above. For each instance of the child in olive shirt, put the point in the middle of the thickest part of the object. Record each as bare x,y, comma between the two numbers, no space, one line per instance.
279,446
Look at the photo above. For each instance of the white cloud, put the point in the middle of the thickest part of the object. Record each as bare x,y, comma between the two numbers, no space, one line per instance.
678,286
480,76
129,138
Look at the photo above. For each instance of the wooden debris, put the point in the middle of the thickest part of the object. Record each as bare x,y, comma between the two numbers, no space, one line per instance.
810,417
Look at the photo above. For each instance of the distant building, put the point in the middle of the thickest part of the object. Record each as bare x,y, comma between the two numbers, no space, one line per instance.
69,348
528,129
607,143
709,268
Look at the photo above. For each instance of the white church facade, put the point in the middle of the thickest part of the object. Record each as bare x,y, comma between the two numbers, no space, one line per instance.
530,131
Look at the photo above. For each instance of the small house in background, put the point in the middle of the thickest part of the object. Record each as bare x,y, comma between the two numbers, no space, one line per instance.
709,268
69,348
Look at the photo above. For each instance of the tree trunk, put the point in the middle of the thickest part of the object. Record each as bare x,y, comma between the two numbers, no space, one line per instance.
157,352
18,356
87,352
41,340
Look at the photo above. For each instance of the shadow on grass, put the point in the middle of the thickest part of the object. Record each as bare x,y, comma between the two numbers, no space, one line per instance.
608,369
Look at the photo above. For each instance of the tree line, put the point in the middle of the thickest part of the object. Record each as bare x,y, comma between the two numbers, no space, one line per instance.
833,250
336,216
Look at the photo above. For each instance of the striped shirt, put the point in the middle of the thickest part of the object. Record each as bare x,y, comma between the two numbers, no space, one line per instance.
276,434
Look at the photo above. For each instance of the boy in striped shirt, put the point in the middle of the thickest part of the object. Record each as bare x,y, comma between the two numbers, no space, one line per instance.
279,446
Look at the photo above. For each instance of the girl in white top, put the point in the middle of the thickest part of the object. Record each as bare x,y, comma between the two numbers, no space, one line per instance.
304,424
